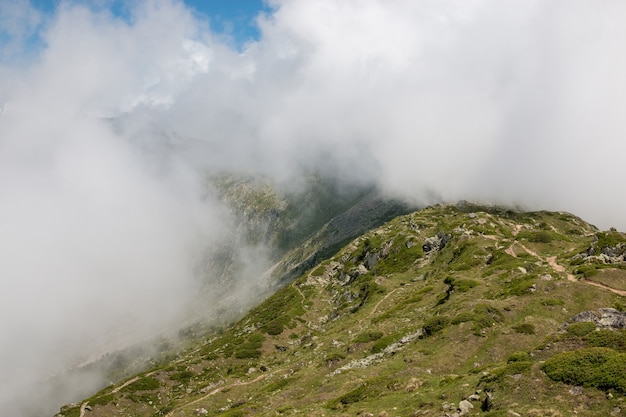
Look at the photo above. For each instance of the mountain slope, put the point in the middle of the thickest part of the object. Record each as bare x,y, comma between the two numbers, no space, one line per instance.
451,310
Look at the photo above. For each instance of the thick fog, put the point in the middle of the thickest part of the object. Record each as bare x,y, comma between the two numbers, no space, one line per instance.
103,220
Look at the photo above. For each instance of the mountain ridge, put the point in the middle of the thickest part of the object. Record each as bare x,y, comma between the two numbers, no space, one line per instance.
450,310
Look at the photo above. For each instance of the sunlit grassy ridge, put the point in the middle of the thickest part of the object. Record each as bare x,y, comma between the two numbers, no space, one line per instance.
391,326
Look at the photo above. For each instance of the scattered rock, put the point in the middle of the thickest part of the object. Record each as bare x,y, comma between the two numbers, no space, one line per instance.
413,385
385,248
576,390
616,411
465,407
474,397
447,406
201,412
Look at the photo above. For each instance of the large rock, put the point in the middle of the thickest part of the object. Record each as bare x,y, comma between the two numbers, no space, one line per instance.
608,318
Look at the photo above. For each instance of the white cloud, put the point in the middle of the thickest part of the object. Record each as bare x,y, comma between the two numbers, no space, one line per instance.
517,102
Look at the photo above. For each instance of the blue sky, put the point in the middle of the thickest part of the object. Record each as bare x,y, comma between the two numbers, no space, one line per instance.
233,18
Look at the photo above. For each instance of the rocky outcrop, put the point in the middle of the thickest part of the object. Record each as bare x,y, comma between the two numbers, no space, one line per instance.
606,318
435,243
603,253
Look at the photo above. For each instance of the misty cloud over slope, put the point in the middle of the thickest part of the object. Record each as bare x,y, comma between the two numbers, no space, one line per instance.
515,103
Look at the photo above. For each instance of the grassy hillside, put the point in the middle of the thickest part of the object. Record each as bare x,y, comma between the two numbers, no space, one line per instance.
451,310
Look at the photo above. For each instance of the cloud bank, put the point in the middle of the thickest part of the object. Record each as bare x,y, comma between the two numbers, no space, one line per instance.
101,228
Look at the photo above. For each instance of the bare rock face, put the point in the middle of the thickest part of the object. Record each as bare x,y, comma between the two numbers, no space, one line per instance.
606,318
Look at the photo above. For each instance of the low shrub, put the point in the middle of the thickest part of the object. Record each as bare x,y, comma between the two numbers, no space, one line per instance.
383,342
525,328
462,318
580,329
181,376
597,367
519,356
102,400
435,324
613,339
486,315
146,383
369,336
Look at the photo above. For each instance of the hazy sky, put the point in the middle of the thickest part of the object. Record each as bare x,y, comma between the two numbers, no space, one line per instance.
517,102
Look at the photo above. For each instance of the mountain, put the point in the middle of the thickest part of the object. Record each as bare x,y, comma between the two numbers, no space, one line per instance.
449,310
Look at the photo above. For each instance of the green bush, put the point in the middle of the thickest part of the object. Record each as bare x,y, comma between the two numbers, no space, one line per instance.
146,383
580,329
247,353
367,390
102,400
614,339
540,237
72,412
435,324
319,271
356,395
464,285
383,342
486,315
181,376
334,357
511,368
232,413
256,338
462,318
588,270
369,336
275,327
519,356
520,286
552,302
525,328
278,384
597,367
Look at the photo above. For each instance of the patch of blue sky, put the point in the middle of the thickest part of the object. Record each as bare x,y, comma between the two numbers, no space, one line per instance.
232,20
